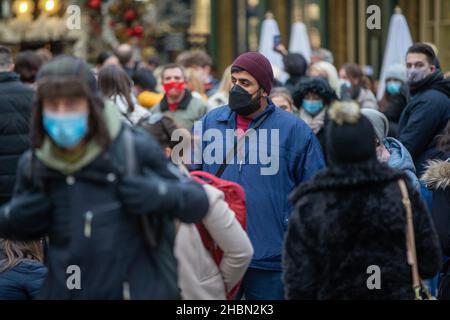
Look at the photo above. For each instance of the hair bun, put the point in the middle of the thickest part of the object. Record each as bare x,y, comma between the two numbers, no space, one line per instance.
342,112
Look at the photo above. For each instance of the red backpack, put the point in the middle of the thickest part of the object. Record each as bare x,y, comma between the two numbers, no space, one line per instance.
235,197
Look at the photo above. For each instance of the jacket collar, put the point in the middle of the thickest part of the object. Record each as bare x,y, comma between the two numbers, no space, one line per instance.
434,81
9,76
183,105
340,177
400,157
229,116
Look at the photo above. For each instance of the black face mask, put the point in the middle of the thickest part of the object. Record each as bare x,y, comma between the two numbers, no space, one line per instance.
241,101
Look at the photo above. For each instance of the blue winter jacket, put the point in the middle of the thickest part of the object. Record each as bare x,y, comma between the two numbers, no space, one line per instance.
401,159
23,281
287,139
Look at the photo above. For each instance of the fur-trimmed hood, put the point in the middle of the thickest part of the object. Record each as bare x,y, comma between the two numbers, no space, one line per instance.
437,174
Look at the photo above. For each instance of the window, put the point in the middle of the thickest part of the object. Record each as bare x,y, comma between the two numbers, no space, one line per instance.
436,28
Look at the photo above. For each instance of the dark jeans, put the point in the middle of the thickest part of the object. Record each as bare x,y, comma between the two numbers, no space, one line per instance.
261,285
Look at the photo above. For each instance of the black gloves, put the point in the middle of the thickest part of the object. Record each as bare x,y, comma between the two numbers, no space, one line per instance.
152,194
147,194
25,217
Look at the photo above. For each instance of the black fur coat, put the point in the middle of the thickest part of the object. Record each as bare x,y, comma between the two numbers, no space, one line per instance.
347,219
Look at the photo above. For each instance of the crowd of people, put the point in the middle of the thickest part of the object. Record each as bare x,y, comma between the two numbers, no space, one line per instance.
157,181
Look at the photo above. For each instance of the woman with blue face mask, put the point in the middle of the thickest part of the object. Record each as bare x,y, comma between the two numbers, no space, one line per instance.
395,96
313,96
355,85
103,193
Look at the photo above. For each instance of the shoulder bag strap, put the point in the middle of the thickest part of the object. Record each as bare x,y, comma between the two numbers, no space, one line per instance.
233,151
418,285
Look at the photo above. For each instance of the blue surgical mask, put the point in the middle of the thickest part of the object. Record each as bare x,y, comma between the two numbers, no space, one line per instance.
66,130
393,87
345,83
313,107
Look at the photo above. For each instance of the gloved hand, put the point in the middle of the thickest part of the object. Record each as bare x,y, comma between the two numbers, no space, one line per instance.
147,194
25,217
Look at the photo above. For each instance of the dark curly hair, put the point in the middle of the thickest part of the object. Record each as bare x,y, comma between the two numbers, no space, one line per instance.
315,85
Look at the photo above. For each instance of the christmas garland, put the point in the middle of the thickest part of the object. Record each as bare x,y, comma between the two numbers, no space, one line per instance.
125,18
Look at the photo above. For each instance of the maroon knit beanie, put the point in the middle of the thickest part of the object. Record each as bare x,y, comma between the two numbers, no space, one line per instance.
258,66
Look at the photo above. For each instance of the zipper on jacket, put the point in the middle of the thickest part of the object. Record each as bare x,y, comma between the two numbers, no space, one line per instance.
88,224
126,291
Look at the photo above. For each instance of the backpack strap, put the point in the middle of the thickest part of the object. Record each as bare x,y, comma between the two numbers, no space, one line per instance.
130,152
131,168
31,171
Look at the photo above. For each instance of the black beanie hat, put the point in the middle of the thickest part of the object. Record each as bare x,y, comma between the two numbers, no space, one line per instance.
295,64
350,137
258,66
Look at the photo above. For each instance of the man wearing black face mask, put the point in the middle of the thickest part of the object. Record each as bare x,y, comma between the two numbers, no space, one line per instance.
425,116
293,152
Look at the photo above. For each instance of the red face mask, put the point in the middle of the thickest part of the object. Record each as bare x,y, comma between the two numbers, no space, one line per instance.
178,86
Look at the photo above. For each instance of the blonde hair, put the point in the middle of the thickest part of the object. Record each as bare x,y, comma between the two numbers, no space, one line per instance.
157,73
18,251
225,82
195,84
283,93
331,73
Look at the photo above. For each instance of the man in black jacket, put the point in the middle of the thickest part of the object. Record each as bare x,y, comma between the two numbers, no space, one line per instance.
428,111
15,111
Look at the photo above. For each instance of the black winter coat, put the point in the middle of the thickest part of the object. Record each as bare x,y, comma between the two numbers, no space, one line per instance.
424,119
89,228
347,219
393,111
437,178
15,112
